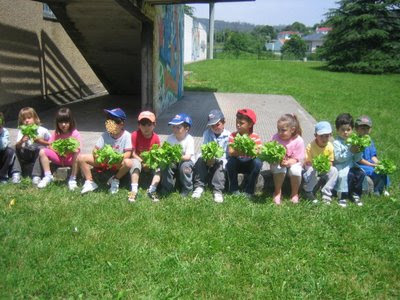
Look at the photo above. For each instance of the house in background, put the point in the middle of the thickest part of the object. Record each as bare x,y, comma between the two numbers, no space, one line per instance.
282,38
195,40
316,39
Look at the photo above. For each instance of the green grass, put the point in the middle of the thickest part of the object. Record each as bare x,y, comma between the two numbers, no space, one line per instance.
57,244
323,94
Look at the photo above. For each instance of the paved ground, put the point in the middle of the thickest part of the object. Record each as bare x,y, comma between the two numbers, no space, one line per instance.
90,119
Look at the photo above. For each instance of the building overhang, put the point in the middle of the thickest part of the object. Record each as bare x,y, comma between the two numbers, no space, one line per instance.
163,2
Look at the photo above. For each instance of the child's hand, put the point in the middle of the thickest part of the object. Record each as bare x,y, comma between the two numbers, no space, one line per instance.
355,149
24,139
285,163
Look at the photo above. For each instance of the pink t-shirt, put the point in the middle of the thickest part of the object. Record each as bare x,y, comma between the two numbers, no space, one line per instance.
294,147
74,134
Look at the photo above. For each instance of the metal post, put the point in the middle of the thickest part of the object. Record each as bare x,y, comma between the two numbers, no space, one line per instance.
210,53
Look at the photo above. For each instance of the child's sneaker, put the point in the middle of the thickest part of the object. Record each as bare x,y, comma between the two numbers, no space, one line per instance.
72,185
35,180
218,197
114,185
343,202
386,193
310,196
3,181
16,178
153,196
45,181
357,200
89,186
327,199
132,196
197,192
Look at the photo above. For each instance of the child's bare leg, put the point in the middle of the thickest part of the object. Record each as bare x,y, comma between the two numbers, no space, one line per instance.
85,161
295,182
74,167
44,160
125,167
278,182
156,179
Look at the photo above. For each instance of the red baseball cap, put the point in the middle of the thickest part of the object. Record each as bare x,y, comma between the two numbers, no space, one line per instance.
248,113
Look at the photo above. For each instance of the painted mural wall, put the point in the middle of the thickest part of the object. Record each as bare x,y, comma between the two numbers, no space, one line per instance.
195,40
169,56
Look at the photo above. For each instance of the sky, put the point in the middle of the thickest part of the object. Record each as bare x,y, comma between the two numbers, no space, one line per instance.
269,12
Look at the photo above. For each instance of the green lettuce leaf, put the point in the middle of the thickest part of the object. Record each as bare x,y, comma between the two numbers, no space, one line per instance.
211,151
65,146
29,130
385,166
321,163
244,145
272,152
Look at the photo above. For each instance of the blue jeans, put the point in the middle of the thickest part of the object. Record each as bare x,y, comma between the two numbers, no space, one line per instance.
249,166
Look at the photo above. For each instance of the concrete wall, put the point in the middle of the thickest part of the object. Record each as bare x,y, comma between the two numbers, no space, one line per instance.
38,59
168,53
195,41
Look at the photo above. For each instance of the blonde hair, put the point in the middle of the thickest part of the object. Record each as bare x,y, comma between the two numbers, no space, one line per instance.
293,122
28,112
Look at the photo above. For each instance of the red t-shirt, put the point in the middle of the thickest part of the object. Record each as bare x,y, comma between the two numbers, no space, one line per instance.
140,143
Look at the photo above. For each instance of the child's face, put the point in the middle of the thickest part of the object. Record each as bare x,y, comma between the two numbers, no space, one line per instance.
363,130
322,140
285,132
28,120
179,131
344,131
243,126
64,126
146,127
218,128
114,126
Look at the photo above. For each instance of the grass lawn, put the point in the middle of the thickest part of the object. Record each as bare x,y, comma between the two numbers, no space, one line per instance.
57,244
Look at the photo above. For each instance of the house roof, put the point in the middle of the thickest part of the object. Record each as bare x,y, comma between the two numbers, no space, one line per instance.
319,36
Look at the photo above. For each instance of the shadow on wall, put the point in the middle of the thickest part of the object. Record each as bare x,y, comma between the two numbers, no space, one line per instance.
34,73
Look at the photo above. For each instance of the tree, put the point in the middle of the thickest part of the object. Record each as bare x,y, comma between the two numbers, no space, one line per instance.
295,47
189,10
299,27
265,32
365,37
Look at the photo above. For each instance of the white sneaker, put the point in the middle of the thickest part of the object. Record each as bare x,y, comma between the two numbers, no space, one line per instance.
197,193
45,181
386,193
218,197
89,186
114,185
36,180
16,178
72,185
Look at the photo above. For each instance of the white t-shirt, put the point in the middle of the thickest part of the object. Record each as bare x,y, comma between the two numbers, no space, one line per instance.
120,145
187,145
42,133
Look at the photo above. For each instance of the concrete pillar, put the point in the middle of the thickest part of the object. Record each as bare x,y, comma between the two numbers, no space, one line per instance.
210,53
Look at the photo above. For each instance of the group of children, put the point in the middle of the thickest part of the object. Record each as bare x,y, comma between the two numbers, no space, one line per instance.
349,165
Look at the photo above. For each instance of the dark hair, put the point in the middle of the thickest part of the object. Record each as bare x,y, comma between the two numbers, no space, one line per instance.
293,121
243,117
186,125
344,119
64,114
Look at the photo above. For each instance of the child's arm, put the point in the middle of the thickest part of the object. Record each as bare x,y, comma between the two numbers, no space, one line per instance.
42,141
128,154
367,163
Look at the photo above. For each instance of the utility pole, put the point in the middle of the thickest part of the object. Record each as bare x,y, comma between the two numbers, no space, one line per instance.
210,53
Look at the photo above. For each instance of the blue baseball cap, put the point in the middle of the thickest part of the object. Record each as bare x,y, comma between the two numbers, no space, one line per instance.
214,117
323,127
181,118
116,112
